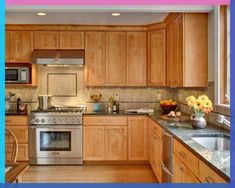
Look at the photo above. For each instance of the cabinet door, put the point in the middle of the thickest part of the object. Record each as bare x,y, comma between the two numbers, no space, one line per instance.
137,138
93,143
157,157
8,44
22,152
46,40
175,53
21,133
71,39
116,142
179,171
136,59
95,58
115,58
157,58
23,46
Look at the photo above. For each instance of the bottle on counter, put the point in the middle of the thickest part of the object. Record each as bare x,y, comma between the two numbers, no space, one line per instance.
114,106
18,104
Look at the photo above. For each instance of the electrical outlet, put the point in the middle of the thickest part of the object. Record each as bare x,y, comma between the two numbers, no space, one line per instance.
159,96
116,97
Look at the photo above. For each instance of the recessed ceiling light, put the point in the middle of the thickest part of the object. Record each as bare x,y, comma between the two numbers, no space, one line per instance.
116,14
41,14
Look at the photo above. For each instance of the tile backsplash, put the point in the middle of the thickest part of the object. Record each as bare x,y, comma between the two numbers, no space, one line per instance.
130,97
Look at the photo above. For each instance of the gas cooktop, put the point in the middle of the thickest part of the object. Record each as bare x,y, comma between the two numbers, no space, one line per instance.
61,109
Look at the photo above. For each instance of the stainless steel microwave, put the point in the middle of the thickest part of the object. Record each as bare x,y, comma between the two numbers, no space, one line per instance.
17,75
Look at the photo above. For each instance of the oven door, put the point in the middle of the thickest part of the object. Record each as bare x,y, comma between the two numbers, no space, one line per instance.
59,141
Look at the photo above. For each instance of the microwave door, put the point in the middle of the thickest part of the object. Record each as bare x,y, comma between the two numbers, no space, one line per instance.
12,75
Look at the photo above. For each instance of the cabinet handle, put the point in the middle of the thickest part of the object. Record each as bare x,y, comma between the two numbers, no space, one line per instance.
209,179
181,169
155,137
182,154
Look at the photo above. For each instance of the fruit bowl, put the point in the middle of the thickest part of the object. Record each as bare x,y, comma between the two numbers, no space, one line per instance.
167,106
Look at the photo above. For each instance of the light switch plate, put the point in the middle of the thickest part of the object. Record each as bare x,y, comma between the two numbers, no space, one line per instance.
116,97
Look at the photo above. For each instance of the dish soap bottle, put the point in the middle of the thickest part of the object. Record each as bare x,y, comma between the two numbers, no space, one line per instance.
18,102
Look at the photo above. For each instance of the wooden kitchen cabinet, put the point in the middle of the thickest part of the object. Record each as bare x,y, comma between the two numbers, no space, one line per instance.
116,142
137,138
93,143
157,58
95,58
46,40
19,46
187,51
71,39
179,171
58,40
207,175
115,58
19,126
136,64
104,142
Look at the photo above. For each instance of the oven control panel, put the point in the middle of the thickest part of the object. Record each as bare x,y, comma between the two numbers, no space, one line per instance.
57,120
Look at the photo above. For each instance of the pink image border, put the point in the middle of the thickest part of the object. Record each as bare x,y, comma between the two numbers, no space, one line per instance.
117,2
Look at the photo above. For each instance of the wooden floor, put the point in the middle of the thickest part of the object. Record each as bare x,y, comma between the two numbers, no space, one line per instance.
90,174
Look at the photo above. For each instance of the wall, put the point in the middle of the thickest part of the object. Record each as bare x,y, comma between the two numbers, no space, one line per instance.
129,97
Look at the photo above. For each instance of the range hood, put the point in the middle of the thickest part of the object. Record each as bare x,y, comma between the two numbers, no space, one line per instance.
57,57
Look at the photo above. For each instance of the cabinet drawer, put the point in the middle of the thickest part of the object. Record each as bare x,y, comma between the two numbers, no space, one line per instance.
207,175
16,120
104,120
22,152
189,159
21,133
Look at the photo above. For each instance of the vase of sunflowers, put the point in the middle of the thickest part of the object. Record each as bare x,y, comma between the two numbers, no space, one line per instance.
96,102
200,106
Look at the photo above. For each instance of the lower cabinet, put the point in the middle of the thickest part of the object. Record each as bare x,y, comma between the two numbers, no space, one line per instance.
105,143
137,138
181,174
18,125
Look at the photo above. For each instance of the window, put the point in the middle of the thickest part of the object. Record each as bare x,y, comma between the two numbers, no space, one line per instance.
224,60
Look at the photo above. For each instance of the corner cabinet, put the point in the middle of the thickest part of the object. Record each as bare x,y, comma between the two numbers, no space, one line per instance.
136,56
187,51
19,46
95,58
157,58
115,58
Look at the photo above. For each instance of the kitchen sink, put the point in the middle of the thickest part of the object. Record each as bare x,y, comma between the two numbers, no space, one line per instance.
218,142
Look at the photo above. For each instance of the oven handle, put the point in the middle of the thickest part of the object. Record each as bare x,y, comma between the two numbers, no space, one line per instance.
56,127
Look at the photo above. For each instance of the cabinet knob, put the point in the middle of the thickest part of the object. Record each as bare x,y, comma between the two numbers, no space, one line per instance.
182,154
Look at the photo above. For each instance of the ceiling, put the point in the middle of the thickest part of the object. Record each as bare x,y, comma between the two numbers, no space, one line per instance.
92,18
100,15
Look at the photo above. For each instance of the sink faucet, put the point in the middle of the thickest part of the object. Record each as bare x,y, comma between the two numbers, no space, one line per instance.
221,119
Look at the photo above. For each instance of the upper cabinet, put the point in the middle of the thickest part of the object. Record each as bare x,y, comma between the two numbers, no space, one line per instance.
95,58
115,58
58,40
136,59
19,46
157,58
187,51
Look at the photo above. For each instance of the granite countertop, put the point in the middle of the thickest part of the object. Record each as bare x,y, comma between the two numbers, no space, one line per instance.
10,113
183,132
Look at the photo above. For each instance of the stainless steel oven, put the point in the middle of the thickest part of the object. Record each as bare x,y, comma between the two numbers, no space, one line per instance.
17,75
58,144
